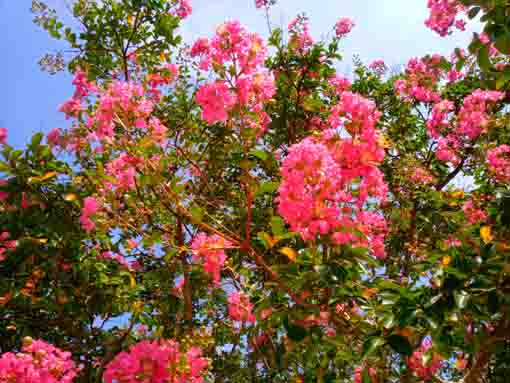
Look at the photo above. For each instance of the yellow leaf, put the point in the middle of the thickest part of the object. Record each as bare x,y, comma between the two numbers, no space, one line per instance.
446,260
42,178
406,332
289,253
132,281
384,141
131,19
270,240
458,194
486,234
137,307
70,197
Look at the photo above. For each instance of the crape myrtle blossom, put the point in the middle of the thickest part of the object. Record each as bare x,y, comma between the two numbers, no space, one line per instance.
299,31
157,362
183,8
473,214
443,16
328,181
453,132
343,26
418,364
240,308
264,3
38,362
3,136
242,90
6,244
90,208
211,251
421,79
498,160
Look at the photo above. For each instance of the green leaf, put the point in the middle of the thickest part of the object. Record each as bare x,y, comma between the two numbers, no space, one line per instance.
268,187
483,58
473,12
260,154
295,333
400,344
503,43
36,139
197,213
277,225
461,299
371,345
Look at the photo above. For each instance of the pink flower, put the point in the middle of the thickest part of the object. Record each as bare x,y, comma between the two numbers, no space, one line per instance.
421,79
240,308
216,100
419,367
498,160
452,242
443,15
157,362
378,66
38,362
183,8
211,250
343,26
358,374
473,214
319,173
3,136
115,257
53,137
263,3
90,207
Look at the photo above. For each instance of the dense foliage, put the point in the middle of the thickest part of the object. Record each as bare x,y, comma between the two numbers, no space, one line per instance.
234,210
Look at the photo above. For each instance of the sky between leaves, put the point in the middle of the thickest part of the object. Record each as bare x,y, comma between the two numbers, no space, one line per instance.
389,29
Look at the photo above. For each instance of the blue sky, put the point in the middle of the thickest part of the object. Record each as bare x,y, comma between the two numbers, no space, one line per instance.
389,29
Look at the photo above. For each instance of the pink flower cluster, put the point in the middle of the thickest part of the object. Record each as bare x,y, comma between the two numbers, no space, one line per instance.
443,16
473,118
329,182
38,362
358,374
440,119
108,255
164,76
343,26
472,121
6,244
417,365
299,31
123,172
157,362
83,88
378,66
473,214
498,160
339,84
3,136
244,87
210,250
421,79
90,207
217,99
240,308
421,176
183,8
122,104
264,3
